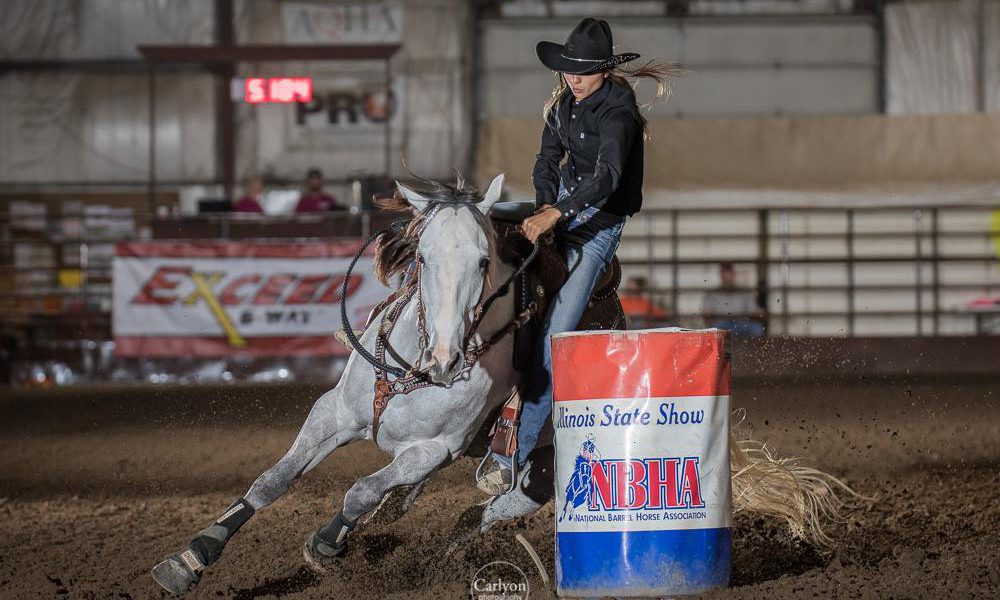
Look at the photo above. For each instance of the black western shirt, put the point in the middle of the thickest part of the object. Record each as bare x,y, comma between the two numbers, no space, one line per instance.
600,138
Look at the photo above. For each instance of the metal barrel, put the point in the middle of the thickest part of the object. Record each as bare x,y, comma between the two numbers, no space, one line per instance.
643,498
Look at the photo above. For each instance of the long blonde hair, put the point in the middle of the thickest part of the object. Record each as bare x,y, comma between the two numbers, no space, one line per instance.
662,73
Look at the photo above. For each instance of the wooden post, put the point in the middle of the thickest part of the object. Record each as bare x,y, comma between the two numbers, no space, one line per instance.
225,119
850,273
151,184
763,266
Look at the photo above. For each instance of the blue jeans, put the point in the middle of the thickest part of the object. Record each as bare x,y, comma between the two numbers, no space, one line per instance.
588,247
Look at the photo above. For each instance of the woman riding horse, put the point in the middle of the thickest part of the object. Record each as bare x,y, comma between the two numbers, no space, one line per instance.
442,331
593,122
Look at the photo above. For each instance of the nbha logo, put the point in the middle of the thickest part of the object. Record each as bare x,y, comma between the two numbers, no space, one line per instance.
630,484
648,483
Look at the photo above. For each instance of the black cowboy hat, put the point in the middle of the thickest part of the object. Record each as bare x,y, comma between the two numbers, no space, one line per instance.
588,49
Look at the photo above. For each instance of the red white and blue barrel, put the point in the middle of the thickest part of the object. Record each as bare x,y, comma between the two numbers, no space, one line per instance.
643,499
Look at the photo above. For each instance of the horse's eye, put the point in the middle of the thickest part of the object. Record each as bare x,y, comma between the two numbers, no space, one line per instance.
420,258
484,262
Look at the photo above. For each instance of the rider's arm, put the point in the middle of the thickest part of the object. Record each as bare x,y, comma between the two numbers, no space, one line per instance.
545,176
617,130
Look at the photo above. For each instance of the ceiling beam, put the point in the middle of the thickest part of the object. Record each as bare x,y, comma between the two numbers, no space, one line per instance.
233,54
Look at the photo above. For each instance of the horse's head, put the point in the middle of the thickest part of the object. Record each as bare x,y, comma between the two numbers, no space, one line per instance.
455,255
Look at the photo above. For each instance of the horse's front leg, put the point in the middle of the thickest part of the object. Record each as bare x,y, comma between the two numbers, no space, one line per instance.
409,467
330,424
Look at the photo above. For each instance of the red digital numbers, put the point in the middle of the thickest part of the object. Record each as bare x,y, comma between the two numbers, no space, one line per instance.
256,90
264,90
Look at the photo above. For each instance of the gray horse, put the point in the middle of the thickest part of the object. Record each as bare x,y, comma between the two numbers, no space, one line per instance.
422,430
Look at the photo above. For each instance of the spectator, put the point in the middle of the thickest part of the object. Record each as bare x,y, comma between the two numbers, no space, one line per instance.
250,201
640,310
732,308
314,199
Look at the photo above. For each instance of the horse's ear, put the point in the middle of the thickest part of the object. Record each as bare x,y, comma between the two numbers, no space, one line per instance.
492,195
416,200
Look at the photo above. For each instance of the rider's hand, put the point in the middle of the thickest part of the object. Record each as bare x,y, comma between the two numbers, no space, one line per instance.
540,222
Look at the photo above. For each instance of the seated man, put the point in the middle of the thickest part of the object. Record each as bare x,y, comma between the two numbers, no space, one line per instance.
732,308
314,199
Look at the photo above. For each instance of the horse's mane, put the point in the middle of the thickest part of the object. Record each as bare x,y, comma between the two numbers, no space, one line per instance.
396,249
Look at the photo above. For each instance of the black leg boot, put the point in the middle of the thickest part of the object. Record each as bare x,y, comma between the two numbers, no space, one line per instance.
328,543
180,572
209,542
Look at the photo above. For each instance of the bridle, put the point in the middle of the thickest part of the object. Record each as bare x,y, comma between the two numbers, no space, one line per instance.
472,351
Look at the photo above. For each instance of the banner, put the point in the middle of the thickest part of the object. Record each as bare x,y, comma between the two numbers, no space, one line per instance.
354,23
237,298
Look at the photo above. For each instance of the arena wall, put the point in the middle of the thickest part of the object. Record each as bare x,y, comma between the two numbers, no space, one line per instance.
800,65
804,153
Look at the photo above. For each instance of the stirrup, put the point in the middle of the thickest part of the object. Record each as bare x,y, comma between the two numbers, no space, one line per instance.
490,482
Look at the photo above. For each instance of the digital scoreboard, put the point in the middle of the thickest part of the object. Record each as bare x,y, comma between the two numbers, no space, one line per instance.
277,90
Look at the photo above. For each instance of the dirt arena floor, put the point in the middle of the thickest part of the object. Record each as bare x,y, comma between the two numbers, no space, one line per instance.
98,485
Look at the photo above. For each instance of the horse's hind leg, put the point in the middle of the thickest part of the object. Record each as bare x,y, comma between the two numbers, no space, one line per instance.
409,467
326,428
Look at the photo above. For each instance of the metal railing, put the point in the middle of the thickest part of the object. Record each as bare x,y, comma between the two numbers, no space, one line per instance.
657,245
50,301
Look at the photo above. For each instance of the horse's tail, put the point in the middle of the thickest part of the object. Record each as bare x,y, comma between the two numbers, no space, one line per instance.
807,499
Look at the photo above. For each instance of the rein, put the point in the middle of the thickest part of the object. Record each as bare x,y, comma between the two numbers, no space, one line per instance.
348,328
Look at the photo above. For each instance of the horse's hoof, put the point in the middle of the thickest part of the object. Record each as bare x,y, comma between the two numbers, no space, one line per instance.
175,575
319,554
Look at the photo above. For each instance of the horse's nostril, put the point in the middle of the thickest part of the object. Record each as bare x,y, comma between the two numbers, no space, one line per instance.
455,361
